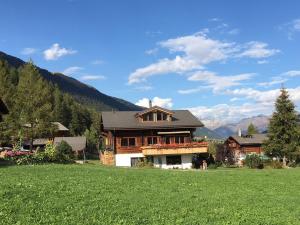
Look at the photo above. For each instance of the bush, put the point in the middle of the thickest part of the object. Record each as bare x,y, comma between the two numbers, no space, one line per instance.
254,161
144,163
64,152
212,166
276,164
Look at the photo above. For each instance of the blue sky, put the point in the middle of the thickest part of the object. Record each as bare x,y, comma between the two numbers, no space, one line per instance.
223,60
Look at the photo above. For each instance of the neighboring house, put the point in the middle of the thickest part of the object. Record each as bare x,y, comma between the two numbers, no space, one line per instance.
240,145
78,144
3,109
61,130
162,135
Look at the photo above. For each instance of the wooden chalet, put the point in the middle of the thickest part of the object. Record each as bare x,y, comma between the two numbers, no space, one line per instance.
3,109
240,145
160,134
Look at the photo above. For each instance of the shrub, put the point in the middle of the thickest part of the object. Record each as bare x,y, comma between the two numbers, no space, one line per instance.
144,163
64,152
212,166
254,161
276,164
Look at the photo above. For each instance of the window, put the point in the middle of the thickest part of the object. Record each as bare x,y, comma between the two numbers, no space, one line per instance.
168,140
179,139
148,117
159,116
127,142
152,140
173,160
165,116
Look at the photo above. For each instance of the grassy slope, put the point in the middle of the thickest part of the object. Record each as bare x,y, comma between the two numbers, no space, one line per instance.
91,194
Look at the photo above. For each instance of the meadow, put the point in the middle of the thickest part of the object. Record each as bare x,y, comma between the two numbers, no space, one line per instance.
94,194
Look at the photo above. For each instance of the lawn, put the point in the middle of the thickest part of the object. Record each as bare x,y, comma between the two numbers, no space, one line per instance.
93,194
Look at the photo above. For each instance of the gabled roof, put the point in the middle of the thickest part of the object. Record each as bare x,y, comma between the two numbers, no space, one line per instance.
59,126
126,120
255,139
3,108
154,109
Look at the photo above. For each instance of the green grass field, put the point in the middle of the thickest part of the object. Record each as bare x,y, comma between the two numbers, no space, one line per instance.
93,194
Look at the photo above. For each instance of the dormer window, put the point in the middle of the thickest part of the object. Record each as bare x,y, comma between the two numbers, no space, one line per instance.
155,114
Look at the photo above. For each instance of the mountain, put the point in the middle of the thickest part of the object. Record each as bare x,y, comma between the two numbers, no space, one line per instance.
260,122
204,132
83,93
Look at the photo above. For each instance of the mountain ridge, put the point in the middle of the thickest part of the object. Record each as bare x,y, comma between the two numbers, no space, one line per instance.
84,94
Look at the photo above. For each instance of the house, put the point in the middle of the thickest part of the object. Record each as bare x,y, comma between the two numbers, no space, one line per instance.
239,146
60,129
161,135
3,109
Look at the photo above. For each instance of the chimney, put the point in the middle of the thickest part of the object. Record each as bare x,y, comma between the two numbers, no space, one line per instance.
239,132
150,103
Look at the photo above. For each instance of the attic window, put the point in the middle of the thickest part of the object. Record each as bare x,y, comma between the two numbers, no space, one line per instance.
155,116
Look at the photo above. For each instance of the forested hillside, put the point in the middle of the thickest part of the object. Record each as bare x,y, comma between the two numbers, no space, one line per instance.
83,93
33,100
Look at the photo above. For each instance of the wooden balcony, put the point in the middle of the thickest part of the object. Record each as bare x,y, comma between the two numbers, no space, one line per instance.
175,149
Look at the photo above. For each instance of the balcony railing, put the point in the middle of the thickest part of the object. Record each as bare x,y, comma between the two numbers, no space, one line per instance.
173,149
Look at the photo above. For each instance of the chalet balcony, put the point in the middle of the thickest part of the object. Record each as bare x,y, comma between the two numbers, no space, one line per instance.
175,149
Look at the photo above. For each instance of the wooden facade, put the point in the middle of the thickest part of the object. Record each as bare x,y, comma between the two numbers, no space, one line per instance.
152,132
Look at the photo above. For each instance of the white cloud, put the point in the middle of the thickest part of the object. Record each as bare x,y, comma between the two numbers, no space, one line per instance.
55,52
191,91
234,31
164,66
221,114
152,51
28,51
218,83
156,101
274,80
291,28
292,73
255,49
144,88
194,52
92,77
262,62
97,62
72,70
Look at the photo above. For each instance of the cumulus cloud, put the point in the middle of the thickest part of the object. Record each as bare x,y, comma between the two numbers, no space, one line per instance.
255,49
193,52
28,51
164,66
218,83
152,51
92,77
156,101
55,52
72,70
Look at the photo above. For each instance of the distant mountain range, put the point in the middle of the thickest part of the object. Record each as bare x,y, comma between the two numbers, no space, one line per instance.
84,94
260,122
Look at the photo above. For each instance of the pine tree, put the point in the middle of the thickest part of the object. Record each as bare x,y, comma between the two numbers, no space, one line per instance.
252,129
33,103
282,131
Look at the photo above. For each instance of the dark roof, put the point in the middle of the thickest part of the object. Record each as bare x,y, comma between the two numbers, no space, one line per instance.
204,132
3,108
77,143
58,125
254,139
123,120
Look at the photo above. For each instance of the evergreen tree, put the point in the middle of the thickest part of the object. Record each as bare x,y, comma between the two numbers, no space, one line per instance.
33,103
282,131
252,129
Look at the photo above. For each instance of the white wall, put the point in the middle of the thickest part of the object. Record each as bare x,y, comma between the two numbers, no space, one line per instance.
186,162
125,159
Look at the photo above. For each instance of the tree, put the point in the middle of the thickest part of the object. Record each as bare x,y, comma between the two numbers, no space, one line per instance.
283,134
33,103
252,129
